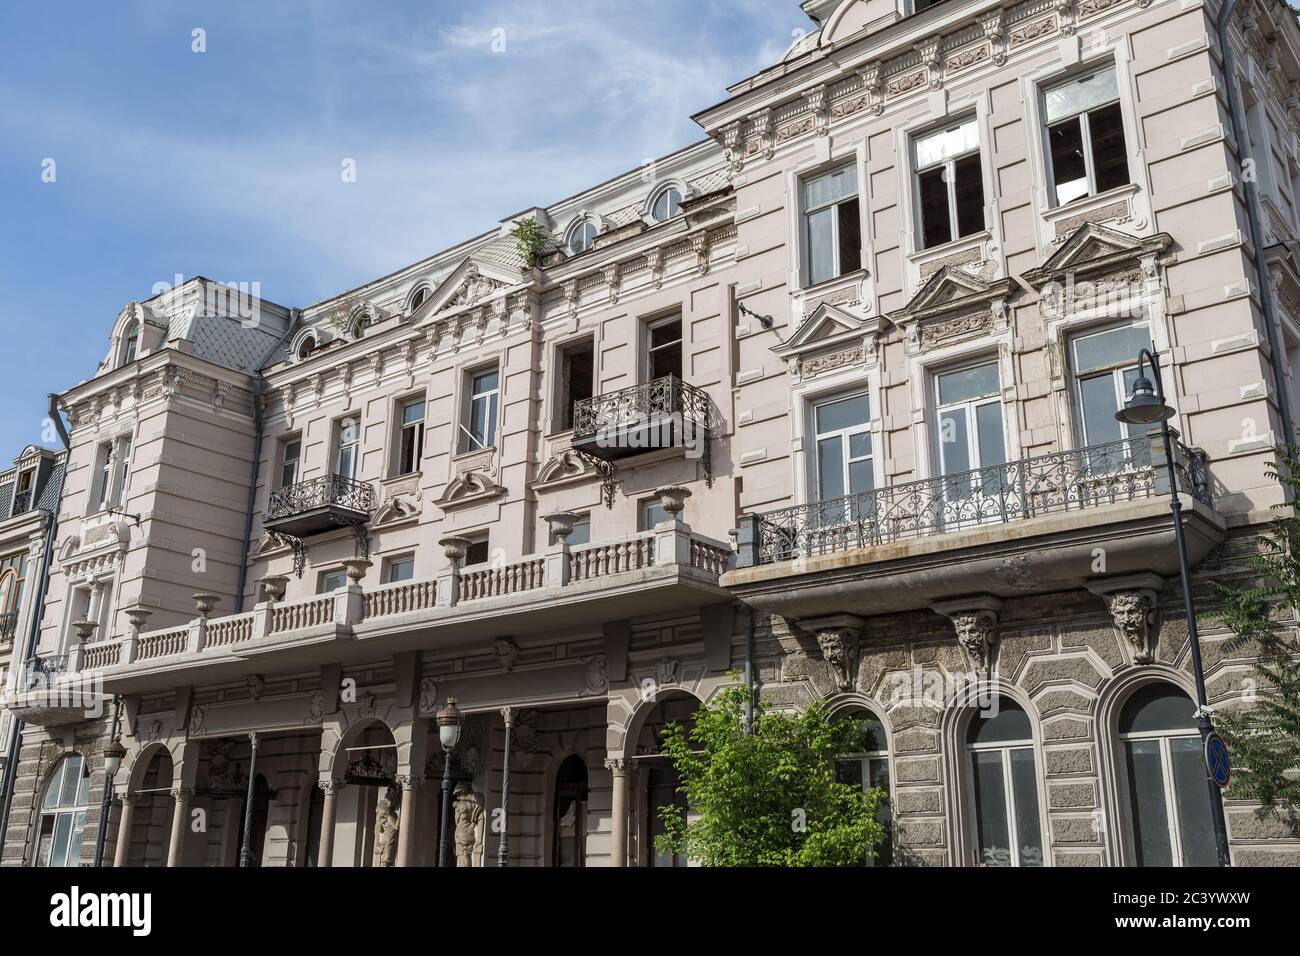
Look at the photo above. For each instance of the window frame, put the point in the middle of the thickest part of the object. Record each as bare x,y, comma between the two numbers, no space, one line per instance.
950,185
649,351
79,807
578,227
562,387
972,420
340,433
803,229
1004,748
815,403
469,441
412,432
325,575
865,759
393,562
287,442
1085,131
130,344
1117,373
659,194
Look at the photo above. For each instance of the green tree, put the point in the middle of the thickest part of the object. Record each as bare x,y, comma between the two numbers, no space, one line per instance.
768,798
1265,737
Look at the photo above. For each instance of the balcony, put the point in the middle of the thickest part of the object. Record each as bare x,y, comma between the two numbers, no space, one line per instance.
22,503
8,625
564,589
310,507
664,413
1032,526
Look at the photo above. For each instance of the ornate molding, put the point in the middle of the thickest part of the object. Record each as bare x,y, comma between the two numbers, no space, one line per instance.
1134,605
975,624
839,637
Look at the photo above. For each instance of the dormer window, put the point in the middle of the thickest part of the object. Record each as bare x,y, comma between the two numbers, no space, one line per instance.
582,237
667,204
306,347
130,343
421,296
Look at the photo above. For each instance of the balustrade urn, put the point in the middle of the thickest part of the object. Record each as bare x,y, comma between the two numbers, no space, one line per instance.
276,585
455,548
356,569
204,603
673,499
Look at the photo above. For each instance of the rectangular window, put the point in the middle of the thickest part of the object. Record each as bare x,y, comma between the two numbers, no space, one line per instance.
410,443
949,183
1104,364
102,488
664,348
478,551
1085,136
652,514
290,459
480,429
347,441
400,569
969,420
843,440
331,581
832,226
575,380
122,472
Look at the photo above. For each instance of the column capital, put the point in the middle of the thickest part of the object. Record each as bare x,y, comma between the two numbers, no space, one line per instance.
330,786
616,765
182,793
408,782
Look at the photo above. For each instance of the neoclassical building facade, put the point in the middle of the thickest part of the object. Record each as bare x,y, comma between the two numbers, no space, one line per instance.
825,402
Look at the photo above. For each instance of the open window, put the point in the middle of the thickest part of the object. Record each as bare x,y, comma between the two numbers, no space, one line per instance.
831,224
949,183
1086,150
347,445
664,348
482,405
290,460
575,379
410,436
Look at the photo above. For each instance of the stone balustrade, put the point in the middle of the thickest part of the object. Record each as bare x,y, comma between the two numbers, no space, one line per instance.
671,543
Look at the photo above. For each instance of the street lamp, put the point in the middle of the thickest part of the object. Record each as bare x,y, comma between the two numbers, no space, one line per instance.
449,723
1147,406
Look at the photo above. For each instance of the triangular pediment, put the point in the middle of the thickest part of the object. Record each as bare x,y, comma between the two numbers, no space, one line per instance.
1093,248
827,326
472,282
948,290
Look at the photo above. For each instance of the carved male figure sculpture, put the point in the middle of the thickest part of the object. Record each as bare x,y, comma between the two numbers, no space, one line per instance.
467,809
386,823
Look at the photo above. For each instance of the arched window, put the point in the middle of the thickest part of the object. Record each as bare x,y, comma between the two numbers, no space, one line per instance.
569,814
421,295
1169,816
582,236
867,766
130,343
1003,784
667,204
63,813
306,347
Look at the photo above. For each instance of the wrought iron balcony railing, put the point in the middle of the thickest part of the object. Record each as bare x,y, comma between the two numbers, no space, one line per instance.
330,491
8,625
1090,477
22,502
663,398
42,671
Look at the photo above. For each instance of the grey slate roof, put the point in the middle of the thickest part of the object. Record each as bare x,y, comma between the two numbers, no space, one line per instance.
49,499
228,342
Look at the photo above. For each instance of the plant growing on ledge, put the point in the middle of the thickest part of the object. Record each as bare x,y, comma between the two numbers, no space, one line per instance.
530,241
1265,735
768,798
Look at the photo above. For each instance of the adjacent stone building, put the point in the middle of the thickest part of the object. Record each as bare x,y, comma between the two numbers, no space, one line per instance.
827,398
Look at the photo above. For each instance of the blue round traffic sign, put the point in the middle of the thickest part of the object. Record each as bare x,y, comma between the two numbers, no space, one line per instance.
1216,759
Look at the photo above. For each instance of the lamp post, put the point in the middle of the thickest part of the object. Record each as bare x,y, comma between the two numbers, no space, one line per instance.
503,846
1147,406
449,722
113,755
246,849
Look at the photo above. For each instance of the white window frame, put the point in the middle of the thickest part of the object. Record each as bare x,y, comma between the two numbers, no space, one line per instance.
658,195
949,167
416,427
802,228
1004,748
340,444
579,226
680,341
492,397
972,431
844,435
72,855
1085,131
1116,372
393,562
285,444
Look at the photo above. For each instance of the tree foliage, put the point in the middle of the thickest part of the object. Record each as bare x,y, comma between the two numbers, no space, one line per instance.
1265,736
769,798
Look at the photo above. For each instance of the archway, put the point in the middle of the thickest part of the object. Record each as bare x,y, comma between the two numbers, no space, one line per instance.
152,780
569,814
655,783
368,799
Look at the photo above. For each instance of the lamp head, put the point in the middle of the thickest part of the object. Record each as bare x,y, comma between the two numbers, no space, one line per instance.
449,723
113,755
1143,406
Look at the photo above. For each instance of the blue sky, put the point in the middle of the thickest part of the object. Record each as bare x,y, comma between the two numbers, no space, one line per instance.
227,163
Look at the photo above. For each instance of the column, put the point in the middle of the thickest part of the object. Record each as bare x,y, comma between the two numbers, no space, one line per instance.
617,768
325,853
406,822
123,845
180,820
